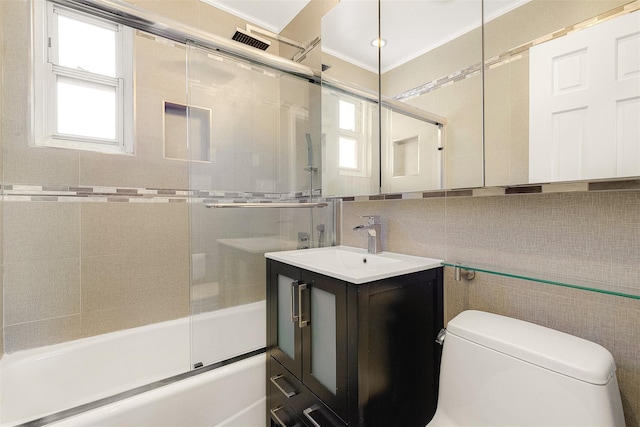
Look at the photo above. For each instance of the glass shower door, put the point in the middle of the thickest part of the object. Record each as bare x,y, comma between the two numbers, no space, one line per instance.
251,139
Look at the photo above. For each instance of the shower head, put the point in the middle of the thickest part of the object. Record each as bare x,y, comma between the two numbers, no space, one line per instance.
309,151
245,37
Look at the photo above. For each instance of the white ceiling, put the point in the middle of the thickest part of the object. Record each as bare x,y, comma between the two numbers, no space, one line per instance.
410,27
272,15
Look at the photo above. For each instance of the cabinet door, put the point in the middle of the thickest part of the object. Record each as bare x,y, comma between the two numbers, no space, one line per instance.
323,312
285,334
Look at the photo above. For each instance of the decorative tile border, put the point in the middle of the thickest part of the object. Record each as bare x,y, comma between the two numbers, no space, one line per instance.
36,193
514,54
99,194
622,185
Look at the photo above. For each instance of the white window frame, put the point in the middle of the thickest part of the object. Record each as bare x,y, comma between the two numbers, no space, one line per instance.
359,135
47,70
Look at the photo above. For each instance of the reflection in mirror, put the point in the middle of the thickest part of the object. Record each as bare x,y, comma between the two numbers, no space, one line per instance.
411,153
350,117
562,91
431,61
350,143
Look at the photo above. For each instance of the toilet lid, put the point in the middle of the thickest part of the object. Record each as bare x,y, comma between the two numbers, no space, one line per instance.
550,349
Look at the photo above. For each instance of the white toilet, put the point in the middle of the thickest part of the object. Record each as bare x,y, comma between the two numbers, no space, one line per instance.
499,371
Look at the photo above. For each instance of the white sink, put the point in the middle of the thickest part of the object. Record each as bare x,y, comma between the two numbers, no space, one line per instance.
354,265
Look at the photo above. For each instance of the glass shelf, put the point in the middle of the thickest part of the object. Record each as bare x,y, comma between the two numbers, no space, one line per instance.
550,279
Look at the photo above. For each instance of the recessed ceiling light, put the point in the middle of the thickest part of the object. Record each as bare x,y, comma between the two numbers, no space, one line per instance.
378,42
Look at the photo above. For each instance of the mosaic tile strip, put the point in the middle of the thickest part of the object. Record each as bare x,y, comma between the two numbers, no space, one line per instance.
44,193
466,73
514,54
35,193
623,185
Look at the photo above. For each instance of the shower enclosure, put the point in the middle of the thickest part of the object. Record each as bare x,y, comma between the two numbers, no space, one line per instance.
226,165
254,148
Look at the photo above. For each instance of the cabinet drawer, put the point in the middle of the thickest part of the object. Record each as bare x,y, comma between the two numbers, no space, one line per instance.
285,386
294,398
282,415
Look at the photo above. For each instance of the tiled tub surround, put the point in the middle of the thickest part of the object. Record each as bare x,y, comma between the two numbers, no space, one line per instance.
109,235
79,269
86,261
580,235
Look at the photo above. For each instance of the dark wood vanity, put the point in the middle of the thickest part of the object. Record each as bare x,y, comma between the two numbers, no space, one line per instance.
345,354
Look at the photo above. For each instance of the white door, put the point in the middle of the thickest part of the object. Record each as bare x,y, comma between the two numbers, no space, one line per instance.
584,112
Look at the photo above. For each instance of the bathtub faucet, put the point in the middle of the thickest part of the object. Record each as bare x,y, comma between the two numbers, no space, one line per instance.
374,230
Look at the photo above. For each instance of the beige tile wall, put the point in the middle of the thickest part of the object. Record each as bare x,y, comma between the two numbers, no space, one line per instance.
42,273
1,163
1,287
22,164
588,235
304,28
460,103
79,269
148,168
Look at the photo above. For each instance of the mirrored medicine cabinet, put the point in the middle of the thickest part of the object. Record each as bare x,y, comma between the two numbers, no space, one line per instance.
562,92
407,105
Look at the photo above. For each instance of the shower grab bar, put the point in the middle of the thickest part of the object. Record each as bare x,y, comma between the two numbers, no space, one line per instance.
267,205
141,19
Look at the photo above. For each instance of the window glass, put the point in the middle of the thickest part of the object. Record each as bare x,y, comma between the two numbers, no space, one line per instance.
347,111
86,109
348,153
83,81
85,46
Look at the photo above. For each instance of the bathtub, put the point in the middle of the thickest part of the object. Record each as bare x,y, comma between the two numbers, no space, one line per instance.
43,381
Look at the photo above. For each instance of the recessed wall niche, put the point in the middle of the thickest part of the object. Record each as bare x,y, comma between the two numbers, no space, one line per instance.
406,157
184,125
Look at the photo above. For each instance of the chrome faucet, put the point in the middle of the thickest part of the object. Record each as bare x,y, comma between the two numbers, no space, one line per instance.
374,230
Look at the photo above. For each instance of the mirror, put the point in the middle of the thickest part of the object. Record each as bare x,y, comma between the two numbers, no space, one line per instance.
430,62
562,91
350,113
426,60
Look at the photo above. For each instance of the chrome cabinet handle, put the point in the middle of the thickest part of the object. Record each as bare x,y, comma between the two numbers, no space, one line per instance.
287,394
295,303
301,322
277,418
307,413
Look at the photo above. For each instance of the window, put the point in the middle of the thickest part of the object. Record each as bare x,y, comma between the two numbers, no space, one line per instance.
83,84
352,153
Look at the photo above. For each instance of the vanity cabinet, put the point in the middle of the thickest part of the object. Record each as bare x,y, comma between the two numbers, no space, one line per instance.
344,354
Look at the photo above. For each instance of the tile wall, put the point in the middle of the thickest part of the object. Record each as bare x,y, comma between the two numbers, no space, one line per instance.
579,235
97,243
1,215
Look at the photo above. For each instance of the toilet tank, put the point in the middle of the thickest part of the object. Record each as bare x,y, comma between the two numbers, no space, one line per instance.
499,371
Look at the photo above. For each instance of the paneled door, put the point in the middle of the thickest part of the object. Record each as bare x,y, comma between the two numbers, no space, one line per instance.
584,103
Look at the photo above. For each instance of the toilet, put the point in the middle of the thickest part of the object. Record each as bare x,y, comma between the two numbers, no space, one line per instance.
499,371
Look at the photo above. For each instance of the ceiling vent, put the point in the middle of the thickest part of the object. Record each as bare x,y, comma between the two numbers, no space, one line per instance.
245,37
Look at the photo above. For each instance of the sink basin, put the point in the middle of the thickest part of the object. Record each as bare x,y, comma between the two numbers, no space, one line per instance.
354,265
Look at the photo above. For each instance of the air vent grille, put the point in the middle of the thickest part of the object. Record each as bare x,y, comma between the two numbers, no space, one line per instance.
250,40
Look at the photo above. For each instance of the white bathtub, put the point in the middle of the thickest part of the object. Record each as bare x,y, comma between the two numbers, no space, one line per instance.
43,381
